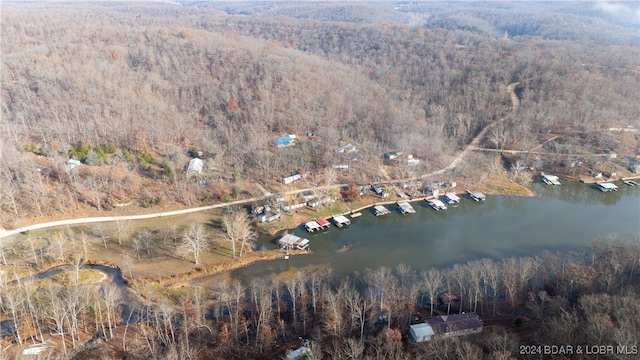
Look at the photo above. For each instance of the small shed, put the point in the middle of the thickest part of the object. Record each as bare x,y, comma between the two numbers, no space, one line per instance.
195,165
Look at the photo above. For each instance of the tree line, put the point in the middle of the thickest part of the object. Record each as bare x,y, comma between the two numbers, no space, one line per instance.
555,298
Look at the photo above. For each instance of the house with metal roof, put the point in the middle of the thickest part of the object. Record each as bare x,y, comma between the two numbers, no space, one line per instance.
440,327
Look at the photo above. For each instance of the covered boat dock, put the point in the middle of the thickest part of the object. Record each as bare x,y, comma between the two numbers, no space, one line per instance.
405,207
341,221
293,242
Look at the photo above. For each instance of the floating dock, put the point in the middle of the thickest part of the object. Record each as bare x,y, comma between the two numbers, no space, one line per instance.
630,183
549,179
451,198
477,196
356,215
341,221
312,226
606,186
290,241
380,210
405,207
324,223
436,204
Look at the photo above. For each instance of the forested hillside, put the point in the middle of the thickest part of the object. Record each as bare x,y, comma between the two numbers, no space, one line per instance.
131,90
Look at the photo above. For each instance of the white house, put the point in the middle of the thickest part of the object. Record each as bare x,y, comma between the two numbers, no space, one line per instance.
195,165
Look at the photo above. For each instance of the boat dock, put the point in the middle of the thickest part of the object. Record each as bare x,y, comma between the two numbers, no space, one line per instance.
324,223
477,196
312,226
356,215
436,204
451,198
606,186
340,221
405,207
380,210
290,241
549,179
630,183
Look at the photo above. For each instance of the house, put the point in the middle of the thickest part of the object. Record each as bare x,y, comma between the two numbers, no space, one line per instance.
195,165
72,164
341,167
284,141
300,353
440,327
634,167
349,148
291,179
289,208
411,161
392,155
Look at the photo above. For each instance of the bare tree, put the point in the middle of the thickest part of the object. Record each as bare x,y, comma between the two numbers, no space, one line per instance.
238,229
432,282
122,229
194,242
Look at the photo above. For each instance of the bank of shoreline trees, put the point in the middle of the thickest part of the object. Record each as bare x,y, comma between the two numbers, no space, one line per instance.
555,298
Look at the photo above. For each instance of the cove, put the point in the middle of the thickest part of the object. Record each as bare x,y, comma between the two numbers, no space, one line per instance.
563,218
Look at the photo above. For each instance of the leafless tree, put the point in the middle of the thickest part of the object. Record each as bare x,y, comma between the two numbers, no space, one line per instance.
238,229
193,242
122,229
432,283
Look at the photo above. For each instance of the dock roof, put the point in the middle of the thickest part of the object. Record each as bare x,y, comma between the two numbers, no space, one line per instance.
452,196
405,206
322,222
608,186
341,219
436,203
312,225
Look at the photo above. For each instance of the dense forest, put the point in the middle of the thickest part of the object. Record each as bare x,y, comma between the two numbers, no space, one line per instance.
133,90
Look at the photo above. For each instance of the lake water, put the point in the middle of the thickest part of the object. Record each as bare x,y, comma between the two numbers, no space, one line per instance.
563,218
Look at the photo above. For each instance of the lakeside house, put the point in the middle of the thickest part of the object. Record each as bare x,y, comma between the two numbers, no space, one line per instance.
440,327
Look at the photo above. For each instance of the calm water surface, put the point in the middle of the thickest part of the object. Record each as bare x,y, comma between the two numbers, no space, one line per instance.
564,218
